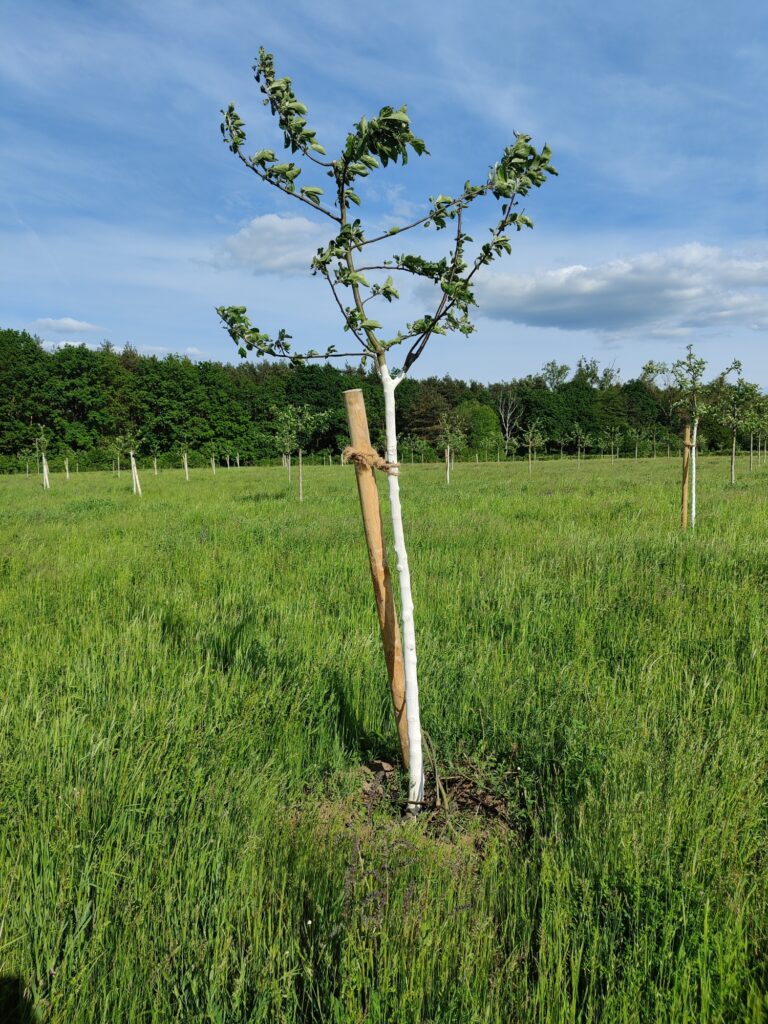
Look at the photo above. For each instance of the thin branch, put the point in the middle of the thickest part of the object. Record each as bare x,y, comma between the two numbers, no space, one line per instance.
481,190
294,195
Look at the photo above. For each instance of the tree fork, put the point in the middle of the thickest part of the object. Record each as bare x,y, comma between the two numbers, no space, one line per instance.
380,575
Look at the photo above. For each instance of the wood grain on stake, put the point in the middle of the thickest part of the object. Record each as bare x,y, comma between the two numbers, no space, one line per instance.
382,580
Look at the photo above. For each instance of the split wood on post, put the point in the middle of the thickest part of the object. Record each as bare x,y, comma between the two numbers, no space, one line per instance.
365,458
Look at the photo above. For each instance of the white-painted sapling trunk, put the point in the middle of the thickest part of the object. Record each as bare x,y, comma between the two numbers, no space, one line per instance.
185,464
213,464
154,464
693,471
416,767
301,478
237,459
448,464
46,478
66,468
733,458
135,476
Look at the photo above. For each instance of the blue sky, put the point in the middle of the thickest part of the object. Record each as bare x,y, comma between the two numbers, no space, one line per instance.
124,216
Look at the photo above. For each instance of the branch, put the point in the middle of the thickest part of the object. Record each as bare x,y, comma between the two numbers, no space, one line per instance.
295,195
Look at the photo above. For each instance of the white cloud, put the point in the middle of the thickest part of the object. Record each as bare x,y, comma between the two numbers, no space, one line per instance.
195,353
63,325
666,293
273,244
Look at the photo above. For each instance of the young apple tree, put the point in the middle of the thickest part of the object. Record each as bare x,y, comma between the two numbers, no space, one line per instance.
734,405
451,438
359,278
42,446
533,439
693,399
295,427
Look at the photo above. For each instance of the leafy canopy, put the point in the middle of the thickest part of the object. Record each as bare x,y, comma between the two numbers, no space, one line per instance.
374,142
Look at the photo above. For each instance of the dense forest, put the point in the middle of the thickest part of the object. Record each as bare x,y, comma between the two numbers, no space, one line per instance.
89,404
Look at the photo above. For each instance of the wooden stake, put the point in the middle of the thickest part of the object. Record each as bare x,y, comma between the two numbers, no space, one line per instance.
377,555
686,465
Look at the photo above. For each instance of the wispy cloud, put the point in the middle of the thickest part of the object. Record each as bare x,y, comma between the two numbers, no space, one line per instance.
273,244
63,325
665,293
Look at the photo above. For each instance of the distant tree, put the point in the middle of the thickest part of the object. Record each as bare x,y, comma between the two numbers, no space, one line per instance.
510,410
480,423
734,405
452,438
554,374
533,439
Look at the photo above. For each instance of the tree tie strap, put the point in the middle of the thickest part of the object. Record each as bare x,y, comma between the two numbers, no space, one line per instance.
368,457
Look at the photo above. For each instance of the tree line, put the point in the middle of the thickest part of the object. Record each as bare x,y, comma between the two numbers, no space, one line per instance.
90,404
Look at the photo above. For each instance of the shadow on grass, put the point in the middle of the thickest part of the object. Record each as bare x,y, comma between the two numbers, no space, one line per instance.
354,735
15,1003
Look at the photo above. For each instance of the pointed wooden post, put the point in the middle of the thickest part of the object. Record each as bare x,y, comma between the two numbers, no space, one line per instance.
382,581
686,466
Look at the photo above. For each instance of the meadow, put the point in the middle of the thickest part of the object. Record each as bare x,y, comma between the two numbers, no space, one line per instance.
193,684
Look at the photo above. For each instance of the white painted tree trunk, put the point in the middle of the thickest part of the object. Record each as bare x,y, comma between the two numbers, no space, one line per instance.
301,478
448,464
66,468
751,452
135,476
185,464
416,768
237,459
213,464
733,458
288,460
46,478
694,452
154,464
27,467
227,458
118,465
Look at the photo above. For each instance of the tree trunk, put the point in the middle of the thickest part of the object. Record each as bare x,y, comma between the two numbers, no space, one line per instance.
185,462
686,468
154,464
66,468
213,464
377,555
237,459
751,451
693,471
416,770
227,458
733,458
118,464
135,476
46,478
288,461
448,464
530,462
636,447
301,478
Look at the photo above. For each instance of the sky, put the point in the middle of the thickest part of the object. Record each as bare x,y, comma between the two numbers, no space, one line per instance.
123,215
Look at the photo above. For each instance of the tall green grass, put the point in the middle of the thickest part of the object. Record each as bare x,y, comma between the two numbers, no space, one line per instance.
191,682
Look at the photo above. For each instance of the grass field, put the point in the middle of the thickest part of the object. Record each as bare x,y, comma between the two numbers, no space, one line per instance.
192,683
